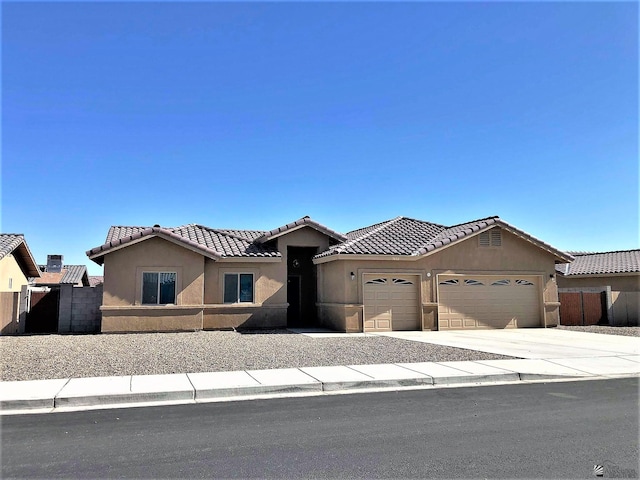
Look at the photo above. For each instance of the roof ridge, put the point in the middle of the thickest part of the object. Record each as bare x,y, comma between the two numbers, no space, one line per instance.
381,226
220,231
424,221
582,254
472,221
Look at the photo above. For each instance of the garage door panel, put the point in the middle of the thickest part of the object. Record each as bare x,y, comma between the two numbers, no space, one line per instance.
500,302
391,302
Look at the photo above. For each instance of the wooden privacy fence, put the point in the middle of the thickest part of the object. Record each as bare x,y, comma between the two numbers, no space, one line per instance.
583,308
9,305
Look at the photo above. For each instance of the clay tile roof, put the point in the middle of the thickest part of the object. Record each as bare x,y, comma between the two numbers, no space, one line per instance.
302,222
408,236
624,261
75,274
95,280
398,236
208,241
9,242
14,243
70,274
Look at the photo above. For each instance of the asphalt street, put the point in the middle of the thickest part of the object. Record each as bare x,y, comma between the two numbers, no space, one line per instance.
540,430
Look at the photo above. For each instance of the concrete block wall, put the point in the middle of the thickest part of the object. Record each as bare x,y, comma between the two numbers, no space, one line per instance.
80,309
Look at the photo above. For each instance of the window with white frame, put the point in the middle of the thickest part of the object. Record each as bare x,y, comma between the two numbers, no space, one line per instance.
158,288
238,288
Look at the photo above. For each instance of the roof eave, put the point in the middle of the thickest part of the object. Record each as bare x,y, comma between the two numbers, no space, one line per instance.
599,275
298,224
395,257
97,254
30,264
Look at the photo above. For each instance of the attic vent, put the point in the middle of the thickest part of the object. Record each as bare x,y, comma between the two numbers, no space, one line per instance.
54,263
492,238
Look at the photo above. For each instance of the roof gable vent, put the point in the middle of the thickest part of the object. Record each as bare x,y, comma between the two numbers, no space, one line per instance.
492,238
54,263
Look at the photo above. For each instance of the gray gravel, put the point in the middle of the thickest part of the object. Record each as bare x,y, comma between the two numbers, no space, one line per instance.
70,356
607,330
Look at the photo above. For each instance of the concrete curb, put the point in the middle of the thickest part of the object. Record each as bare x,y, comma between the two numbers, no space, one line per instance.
39,396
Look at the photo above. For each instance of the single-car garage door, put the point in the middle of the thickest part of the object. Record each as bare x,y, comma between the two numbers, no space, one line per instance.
391,302
488,301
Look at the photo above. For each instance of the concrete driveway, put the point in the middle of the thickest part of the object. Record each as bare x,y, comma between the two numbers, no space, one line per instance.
535,343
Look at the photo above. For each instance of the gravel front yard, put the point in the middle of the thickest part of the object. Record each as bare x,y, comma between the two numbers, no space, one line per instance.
61,356
624,331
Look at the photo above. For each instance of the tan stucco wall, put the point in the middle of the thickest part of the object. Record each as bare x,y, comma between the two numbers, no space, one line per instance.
514,256
199,284
9,268
123,272
618,283
122,295
270,293
151,319
267,277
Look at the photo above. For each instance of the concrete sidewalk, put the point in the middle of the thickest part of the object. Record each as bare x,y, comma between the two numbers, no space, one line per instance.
43,396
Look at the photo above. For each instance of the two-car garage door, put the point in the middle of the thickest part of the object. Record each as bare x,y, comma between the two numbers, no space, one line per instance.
392,302
488,301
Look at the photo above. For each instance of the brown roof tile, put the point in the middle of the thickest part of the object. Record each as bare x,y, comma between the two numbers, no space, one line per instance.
14,243
398,236
301,222
623,261
70,274
210,242
407,236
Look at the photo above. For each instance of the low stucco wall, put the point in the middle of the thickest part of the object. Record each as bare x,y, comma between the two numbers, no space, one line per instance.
151,319
241,316
340,317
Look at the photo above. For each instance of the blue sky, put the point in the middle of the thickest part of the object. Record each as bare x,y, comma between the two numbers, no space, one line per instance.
251,115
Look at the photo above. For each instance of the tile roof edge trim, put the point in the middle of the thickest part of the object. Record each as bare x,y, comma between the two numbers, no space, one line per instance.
588,254
97,253
305,221
598,275
454,238
364,256
338,249
565,257
28,257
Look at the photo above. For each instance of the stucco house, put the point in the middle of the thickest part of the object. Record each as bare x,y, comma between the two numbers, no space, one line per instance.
16,266
616,275
56,273
400,274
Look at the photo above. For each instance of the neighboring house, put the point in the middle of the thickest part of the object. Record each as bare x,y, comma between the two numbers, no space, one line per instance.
62,300
401,274
16,266
614,274
95,280
55,273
